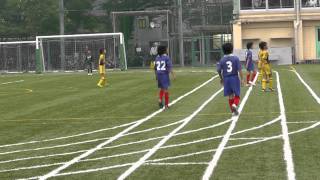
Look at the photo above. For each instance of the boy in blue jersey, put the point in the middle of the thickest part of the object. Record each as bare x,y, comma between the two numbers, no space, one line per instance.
229,69
250,65
163,67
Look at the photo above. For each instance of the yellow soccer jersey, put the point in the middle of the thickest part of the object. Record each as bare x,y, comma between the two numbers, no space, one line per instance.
102,62
264,57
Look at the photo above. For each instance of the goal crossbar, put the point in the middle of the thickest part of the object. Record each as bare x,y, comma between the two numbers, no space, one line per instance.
39,54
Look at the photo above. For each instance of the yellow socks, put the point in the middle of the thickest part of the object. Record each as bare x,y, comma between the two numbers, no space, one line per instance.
264,84
260,76
102,82
271,83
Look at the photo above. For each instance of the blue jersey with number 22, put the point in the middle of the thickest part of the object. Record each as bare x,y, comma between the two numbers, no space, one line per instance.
229,66
163,64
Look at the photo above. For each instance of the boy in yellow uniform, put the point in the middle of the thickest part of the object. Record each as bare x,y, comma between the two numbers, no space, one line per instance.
265,67
102,68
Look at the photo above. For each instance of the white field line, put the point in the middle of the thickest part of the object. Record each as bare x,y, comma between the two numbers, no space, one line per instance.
314,95
119,135
166,158
216,156
12,82
285,136
152,139
153,150
302,122
236,146
67,137
105,129
115,146
87,141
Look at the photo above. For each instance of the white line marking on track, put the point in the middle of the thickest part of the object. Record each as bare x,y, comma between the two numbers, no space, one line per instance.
285,134
115,146
87,141
12,82
119,135
314,95
213,163
302,122
151,139
188,119
170,157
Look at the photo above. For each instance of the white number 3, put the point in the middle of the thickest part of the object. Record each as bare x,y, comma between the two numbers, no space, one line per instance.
229,64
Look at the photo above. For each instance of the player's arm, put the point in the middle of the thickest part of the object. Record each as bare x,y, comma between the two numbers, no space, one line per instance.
170,69
240,72
219,70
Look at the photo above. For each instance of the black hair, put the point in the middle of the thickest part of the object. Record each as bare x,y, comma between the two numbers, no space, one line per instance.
262,45
101,50
162,50
227,48
249,45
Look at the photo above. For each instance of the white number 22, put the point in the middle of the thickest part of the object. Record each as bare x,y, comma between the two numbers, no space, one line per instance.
161,65
229,64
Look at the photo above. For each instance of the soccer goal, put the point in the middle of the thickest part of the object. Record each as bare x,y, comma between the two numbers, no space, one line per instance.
18,56
68,52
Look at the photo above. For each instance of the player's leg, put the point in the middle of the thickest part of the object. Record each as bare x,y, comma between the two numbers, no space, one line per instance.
166,97
102,80
264,80
271,82
161,94
260,72
236,99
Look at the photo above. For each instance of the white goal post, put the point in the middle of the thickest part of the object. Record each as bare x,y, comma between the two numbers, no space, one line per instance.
67,52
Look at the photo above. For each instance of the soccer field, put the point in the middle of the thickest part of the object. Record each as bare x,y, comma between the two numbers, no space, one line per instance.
64,127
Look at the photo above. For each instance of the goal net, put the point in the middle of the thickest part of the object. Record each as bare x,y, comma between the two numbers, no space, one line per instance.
68,52
17,56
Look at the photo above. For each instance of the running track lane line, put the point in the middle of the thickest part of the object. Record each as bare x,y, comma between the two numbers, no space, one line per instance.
119,135
287,151
216,156
188,119
314,95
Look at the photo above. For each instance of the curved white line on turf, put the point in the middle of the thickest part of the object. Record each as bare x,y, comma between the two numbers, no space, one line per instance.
235,146
106,129
115,146
12,82
67,137
287,151
88,141
216,156
314,95
171,157
119,135
187,120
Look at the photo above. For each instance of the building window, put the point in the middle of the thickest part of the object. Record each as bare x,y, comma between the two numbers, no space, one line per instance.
253,4
277,4
310,3
266,4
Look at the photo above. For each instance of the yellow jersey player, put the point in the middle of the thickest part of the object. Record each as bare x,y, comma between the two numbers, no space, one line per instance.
102,68
265,67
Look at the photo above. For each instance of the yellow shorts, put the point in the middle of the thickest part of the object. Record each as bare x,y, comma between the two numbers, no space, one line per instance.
259,64
102,69
266,69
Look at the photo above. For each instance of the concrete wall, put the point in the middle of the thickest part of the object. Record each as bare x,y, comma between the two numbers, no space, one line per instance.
309,36
279,56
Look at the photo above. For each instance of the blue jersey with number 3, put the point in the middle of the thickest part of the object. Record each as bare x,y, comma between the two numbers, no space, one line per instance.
229,66
163,64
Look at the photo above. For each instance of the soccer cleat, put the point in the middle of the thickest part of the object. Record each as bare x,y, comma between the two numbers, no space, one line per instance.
166,107
99,85
160,105
263,90
235,109
271,89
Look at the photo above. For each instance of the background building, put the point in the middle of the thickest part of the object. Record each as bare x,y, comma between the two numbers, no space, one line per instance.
293,24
